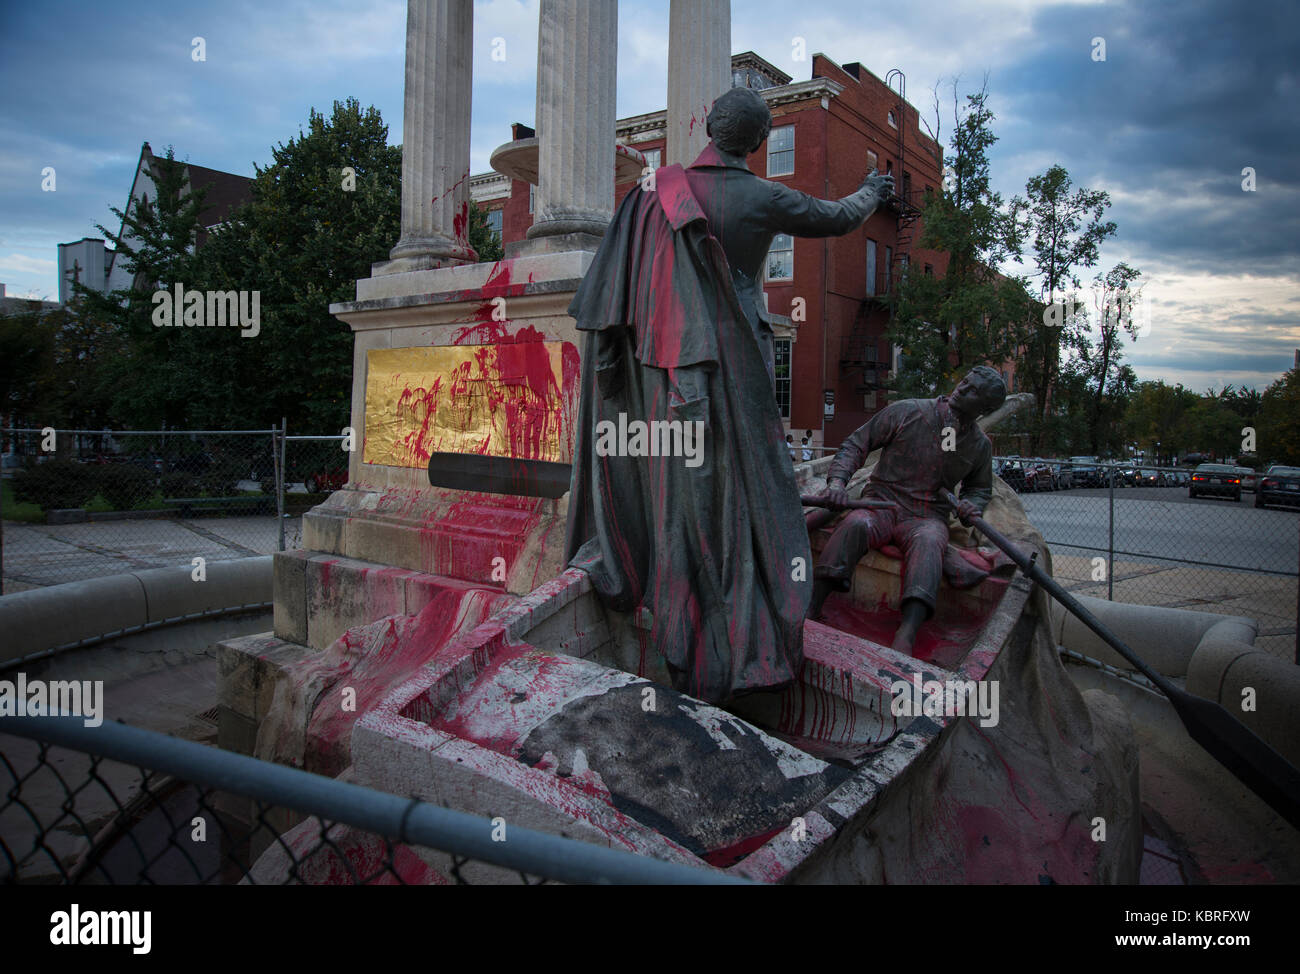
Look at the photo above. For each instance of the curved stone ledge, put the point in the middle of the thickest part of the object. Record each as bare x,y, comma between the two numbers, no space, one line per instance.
59,616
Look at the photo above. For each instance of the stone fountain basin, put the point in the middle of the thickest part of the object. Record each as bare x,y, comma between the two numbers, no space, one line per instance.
555,715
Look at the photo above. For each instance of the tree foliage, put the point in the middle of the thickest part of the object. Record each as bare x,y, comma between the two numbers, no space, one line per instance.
1279,420
1065,229
972,315
325,209
309,232
156,246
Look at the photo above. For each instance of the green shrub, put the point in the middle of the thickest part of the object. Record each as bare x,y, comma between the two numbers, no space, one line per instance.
154,502
15,510
98,504
124,484
55,484
180,484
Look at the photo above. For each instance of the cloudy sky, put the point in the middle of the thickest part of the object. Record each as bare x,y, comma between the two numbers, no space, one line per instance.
1189,94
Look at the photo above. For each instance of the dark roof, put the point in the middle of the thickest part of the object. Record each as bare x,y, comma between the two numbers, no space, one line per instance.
225,192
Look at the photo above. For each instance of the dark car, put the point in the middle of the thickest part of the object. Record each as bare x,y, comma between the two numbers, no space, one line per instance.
1147,477
1280,485
1215,480
1086,472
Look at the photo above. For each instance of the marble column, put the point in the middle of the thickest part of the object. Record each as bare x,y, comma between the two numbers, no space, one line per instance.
577,59
435,135
699,70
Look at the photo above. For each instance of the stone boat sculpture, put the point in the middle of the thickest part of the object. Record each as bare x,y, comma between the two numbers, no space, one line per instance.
555,713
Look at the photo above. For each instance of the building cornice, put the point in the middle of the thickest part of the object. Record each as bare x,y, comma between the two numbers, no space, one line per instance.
642,128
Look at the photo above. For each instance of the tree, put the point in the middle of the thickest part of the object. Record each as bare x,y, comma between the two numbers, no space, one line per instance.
1066,231
1279,420
326,207
156,245
1099,356
483,238
309,232
1157,413
26,366
972,315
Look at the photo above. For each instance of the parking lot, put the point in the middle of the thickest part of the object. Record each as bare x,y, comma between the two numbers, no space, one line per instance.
1210,554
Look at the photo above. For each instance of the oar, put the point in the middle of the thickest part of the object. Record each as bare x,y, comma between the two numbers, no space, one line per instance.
499,475
1256,765
862,503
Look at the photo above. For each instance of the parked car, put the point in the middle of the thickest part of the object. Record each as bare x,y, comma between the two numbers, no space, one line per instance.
1126,475
326,480
1038,476
1215,480
1249,479
1146,477
1279,485
1064,476
1086,472
1012,471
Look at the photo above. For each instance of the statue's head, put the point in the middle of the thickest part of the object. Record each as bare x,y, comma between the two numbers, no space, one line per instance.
980,392
739,121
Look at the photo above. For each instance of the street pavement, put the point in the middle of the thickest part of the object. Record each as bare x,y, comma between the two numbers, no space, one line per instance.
1206,554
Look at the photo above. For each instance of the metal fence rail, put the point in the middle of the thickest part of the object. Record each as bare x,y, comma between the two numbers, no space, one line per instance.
173,817
79,504
1131,533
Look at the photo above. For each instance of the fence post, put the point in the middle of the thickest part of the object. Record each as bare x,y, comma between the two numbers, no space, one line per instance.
278,450
1110,564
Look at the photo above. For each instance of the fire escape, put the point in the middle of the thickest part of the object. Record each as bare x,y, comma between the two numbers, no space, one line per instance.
859,351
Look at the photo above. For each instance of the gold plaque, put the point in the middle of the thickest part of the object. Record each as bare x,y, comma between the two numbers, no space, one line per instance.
507,399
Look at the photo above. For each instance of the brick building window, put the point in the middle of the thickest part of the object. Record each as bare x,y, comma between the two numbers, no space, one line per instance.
494,221
781,349
531,192
653,157
871,267
873,161
780,258
780,151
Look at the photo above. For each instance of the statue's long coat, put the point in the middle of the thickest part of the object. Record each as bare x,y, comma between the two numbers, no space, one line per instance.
718,552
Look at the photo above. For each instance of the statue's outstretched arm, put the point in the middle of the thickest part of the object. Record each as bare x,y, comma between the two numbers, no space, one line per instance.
796,213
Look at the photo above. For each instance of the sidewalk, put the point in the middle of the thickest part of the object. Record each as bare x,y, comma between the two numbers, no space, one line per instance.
1268,599
37,555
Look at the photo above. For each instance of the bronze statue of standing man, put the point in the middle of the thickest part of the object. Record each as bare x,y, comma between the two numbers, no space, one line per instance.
676,331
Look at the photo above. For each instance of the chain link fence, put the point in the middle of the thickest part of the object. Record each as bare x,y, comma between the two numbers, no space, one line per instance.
80,504
1151,535
117,805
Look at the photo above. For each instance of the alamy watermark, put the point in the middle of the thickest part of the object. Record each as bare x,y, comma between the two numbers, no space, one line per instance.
51,698
655,438
951,698
208,309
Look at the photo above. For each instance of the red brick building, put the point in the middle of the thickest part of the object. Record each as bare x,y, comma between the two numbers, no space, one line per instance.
827,133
